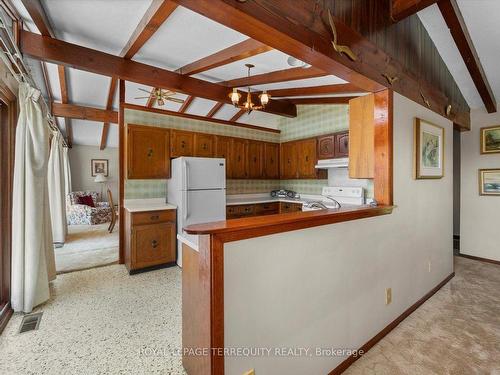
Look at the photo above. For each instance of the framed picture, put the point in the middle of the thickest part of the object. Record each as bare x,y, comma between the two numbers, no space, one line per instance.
489,182
99,166
490,140
429,150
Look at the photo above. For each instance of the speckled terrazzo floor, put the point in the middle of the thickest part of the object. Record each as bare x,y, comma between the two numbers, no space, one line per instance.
101,321
456,332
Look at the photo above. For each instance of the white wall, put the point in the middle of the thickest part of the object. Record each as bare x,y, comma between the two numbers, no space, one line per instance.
325,286
79,159
479,215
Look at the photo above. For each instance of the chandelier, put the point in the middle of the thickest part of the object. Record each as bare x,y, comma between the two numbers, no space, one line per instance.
249,106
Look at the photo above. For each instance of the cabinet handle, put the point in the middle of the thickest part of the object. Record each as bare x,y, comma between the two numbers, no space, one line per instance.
346,142
150,152
255,159
154,244
204,146
307,158
155,217
239,158
183,144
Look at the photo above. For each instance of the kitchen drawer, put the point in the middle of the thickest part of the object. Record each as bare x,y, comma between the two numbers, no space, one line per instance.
246,210
267,208
153,244
152,217
290,207
232,212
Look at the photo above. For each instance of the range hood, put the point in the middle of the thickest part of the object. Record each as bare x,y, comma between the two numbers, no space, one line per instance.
332,163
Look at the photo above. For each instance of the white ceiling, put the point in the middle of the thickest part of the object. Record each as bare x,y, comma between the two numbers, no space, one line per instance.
481,18
184,38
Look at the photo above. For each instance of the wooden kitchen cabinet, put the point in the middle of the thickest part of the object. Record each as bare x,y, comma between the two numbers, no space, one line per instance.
289,207
288,160
271,160
239,158
248,210
255,153
147,150
223,150
342,145
182,143
306,156
361,137
150,239
204,145
326,147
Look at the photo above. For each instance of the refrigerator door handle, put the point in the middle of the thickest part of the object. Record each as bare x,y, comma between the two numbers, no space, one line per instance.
185,205
185,174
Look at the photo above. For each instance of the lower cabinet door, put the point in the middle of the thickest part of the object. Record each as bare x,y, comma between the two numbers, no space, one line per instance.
153,244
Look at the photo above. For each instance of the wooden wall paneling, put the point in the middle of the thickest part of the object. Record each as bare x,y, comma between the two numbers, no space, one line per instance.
404,8
361,137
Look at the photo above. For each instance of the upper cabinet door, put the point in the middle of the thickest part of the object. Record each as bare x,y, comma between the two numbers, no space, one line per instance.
326,147
271,160
255,155
147,152
342,145
238,154
288,160
204,145
307,158
223,150
182,143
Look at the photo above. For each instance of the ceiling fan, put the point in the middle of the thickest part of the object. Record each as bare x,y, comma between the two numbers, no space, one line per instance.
160,96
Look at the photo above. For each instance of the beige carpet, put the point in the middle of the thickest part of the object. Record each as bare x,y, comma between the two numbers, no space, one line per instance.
456,332
87,246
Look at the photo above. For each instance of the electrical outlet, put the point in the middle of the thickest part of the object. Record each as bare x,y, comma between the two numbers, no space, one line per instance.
388,296
249,372
430,263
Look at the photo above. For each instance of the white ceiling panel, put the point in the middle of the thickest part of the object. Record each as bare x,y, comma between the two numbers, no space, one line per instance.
86,132
112,136
435,25
105,25
200,106
88,89
184,38
53,76
318,81
27,21
226,112
264,63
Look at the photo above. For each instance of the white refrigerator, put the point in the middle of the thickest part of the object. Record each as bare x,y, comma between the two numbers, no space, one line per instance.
198,189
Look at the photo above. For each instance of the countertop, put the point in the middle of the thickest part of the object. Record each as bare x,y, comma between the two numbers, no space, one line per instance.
152,204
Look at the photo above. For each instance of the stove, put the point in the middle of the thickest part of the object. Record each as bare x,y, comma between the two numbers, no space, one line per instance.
335,195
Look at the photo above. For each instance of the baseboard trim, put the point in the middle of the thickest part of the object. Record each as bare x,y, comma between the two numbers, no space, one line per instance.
497,262
379,336
5,315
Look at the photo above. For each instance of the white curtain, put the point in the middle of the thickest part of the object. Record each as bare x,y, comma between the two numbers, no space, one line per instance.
67,172
33,264
56,180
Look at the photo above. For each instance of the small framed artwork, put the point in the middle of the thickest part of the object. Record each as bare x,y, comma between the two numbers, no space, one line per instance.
489,182
490,140
429,150
99,166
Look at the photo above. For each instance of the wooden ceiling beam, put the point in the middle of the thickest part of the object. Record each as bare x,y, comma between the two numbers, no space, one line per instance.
65,99
84,113
236,52
276,76
344,88
401,9
187,102
155,16
201,118
302,30
327,100
458,29
237,115
216,108
60,52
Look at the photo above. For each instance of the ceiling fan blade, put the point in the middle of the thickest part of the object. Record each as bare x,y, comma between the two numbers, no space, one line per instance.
142,97
148,91
174,99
